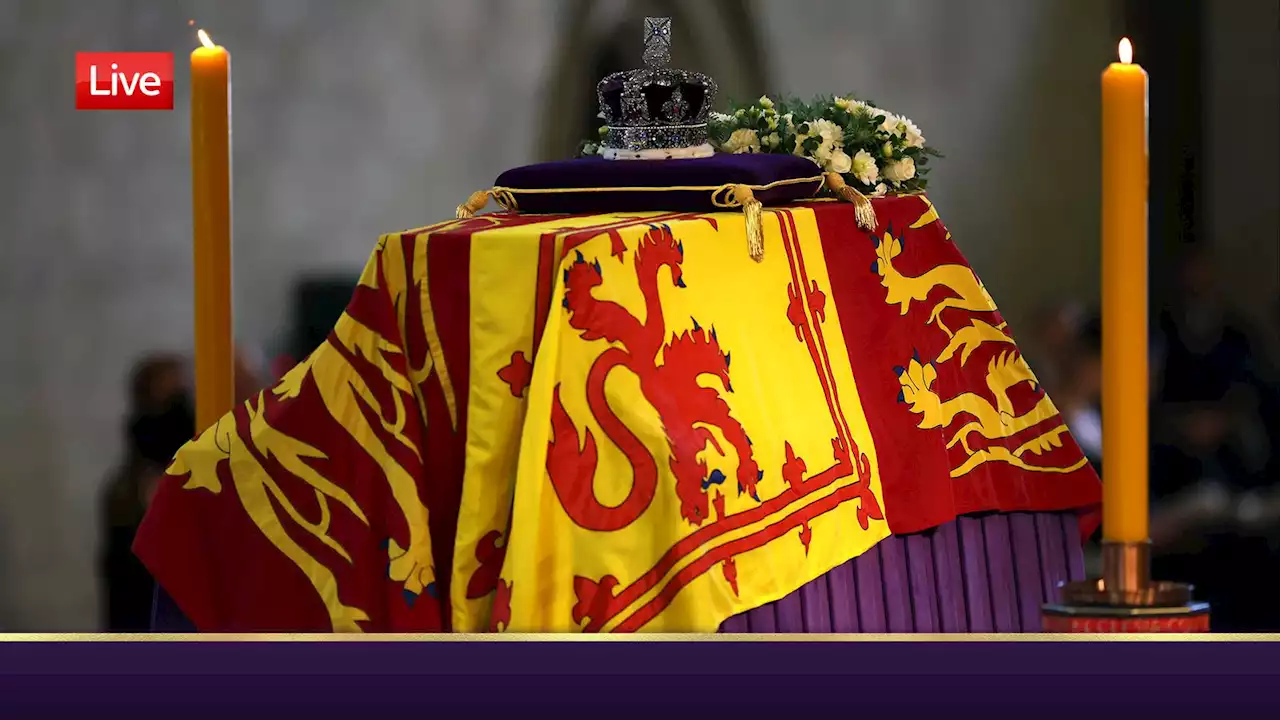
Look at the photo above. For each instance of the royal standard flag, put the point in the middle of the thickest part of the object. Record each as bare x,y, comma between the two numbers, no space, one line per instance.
693,445
611,423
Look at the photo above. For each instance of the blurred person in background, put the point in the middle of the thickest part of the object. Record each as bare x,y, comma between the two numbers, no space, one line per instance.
1214,513
1212,382
1052,344
1078,394
160,421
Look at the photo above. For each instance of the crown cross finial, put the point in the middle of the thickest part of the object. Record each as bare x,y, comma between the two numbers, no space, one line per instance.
657,42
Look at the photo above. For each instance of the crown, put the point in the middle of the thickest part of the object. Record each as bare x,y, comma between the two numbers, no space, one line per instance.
656,111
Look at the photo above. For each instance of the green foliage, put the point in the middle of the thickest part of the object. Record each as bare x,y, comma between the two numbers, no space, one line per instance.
839,133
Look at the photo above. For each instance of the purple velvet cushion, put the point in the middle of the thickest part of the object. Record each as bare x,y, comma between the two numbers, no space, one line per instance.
755,170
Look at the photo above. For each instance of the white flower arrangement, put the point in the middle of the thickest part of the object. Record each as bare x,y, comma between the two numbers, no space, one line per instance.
876,151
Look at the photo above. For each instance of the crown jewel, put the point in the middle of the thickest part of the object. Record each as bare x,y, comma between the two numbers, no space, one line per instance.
656,108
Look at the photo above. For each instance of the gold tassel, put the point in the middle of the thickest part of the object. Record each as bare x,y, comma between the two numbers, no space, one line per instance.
752,213
863,212
473,205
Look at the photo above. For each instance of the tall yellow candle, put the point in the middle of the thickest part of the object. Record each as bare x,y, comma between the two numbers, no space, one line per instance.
1125,375
211,205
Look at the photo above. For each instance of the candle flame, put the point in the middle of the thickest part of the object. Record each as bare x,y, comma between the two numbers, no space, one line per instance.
1126,51
204,39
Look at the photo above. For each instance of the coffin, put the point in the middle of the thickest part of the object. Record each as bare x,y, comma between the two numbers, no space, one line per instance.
623,422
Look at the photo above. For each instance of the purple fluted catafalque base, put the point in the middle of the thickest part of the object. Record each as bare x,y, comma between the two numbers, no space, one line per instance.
975,574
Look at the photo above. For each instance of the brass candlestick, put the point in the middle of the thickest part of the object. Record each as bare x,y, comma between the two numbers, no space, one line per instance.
1125,599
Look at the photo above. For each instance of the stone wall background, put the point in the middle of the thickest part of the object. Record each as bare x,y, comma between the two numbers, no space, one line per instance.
1241,179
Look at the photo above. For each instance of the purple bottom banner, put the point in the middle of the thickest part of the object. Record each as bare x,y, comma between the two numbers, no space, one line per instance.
1028,677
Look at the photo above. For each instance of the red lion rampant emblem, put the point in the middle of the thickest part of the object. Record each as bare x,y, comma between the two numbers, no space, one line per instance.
687,410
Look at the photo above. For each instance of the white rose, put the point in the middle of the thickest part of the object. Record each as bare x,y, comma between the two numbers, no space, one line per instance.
863,167
914,138
880,190
892,123
743,140
829,134
765,102
900,170
827,130
771,140
839,161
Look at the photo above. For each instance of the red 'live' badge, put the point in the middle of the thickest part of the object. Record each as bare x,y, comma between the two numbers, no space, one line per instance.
124,81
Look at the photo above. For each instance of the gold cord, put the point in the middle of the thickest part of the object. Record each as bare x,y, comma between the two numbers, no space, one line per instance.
863,212
733,196
498,191
727,196
473,205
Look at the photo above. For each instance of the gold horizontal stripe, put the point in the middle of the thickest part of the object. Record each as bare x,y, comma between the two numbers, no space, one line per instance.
640,637
745,531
